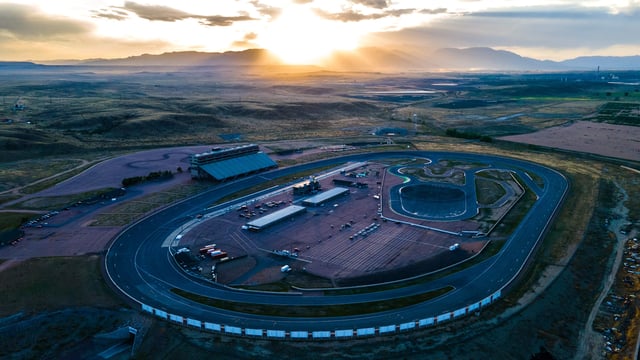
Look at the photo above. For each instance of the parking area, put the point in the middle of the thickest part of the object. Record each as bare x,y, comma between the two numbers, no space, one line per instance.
344,239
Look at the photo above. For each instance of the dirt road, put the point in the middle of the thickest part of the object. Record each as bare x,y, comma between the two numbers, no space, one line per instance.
590,343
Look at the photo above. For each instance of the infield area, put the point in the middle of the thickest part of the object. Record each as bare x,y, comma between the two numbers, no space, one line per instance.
400,218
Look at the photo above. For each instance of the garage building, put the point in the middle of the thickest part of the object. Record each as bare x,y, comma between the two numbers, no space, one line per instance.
325,196
273,218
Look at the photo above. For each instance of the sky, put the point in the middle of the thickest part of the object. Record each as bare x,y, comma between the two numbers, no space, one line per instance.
306,31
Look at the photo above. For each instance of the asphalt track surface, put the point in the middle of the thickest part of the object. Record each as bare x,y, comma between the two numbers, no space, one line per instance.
145,272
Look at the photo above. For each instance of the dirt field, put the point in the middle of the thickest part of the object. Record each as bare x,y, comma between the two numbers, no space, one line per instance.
618,141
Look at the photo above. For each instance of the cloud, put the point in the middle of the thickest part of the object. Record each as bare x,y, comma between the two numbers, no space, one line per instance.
246,42
433,11
222,20
66,48
168,14
28,33
156,12
266,10
27,22
552,27
559,28
351,15
378,4
302,2
111,14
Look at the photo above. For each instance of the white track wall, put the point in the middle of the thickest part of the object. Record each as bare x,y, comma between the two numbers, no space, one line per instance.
325,334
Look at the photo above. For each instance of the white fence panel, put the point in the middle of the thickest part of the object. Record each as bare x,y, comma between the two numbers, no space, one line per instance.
232,330
253,332
366,331
276,333
407,326
211,326
426,322
281,334
160,313
196,323
344,333
444,317
460,312
387,329
474,307
299,334
321,334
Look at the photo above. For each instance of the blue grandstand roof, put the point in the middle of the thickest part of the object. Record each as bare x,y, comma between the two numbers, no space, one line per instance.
229,168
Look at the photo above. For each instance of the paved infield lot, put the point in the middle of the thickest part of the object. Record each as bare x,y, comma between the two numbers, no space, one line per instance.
326,238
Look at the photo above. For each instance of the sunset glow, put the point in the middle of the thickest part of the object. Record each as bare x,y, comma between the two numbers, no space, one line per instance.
298,36
308,31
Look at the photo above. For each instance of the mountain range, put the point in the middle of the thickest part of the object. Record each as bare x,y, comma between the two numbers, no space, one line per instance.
375,59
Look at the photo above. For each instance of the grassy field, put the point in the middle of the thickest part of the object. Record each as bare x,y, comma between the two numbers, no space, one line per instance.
58,202
9,220
315,311
48,284
488,192
55,178
129,211
20,173
69,115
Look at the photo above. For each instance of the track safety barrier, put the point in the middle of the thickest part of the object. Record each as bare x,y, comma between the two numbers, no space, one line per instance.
327,334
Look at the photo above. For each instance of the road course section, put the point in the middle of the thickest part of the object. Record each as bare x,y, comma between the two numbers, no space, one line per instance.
143,270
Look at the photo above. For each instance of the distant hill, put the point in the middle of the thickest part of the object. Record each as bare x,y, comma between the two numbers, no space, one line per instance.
605,62
192,58
481,58
367,59
376,59
9,65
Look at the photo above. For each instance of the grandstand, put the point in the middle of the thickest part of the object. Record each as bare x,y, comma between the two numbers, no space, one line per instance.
228,164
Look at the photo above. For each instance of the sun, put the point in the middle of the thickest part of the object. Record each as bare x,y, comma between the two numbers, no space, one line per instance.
299,36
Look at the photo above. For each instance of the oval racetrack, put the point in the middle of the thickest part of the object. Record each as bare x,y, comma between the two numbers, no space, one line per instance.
145,272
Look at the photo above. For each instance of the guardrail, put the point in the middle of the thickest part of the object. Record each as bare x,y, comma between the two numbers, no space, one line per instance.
335,334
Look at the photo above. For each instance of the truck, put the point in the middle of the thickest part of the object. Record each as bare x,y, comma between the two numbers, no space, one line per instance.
217,254
285,269
205,249
214,252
